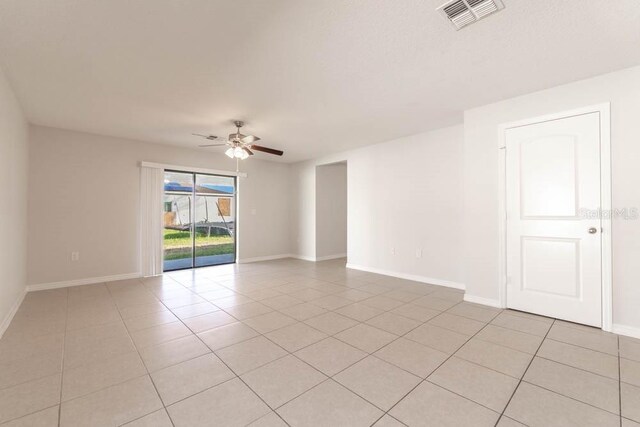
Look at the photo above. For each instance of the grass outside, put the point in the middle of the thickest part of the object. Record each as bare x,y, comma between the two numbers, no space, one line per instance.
175,240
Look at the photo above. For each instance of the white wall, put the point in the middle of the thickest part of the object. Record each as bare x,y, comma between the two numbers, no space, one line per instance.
13,213
84,196
331,210
303,210
622,89
405,194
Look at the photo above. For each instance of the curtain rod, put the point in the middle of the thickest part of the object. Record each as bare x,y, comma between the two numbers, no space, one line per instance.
192,169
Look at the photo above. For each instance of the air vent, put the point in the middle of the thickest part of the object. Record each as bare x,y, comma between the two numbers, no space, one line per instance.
464,12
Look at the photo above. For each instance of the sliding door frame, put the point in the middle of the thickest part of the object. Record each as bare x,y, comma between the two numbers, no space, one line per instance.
193,215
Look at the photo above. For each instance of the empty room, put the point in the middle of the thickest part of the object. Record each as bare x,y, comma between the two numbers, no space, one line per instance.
336,213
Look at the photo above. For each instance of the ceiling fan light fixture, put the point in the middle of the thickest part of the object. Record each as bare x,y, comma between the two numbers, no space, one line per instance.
236,153
241,146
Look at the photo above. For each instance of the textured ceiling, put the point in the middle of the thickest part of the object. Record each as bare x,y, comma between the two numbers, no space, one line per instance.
310,77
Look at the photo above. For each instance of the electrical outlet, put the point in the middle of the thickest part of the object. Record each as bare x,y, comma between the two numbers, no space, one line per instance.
393,250
253,211
75,256
418,253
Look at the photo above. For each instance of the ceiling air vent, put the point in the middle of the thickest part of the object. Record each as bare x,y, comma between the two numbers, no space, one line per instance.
464,12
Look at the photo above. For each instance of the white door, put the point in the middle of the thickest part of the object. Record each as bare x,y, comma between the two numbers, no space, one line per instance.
553,225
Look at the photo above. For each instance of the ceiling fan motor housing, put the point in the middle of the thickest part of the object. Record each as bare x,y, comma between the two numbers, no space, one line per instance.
242,145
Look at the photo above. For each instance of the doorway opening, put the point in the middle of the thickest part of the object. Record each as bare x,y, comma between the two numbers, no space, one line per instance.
331,211
199,220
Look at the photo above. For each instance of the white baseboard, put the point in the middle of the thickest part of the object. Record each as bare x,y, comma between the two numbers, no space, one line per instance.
625,330
14,309
329,257
264,258
79,282
316,259
304,258
483,301
415,278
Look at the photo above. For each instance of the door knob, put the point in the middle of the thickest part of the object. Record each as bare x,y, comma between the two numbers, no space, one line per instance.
593,230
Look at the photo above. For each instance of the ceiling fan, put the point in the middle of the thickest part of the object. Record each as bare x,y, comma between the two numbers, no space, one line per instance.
240,146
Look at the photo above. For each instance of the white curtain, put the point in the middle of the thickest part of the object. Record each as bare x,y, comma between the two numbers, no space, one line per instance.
151,211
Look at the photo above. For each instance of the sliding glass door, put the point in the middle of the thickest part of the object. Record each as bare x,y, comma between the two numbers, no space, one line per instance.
215,212
199,220
178,223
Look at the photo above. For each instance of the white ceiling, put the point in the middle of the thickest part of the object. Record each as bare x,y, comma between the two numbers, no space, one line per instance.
310,77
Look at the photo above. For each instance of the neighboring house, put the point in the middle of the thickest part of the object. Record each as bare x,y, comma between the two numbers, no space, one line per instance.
214,204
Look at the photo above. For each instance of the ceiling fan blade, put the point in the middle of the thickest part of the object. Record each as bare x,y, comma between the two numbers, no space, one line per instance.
249,152
250,139
267,150
211,145
209,137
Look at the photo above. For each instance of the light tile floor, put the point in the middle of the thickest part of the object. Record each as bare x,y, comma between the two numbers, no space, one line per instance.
296,343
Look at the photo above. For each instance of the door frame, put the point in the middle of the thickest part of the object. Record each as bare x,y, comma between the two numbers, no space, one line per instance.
604,111
193,213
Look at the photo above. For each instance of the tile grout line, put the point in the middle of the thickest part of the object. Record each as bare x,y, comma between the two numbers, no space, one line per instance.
546,338
191,395
571,398
59,404
524,373
64,348
464,397
146,415
517,330
436,368
387,344
328,377
580,369
231,370
486,367
329,335
359,322
213,352
391,342
619,383
331,377
141,359
580,346
429,347
301,360
366,352
397,336
33,412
